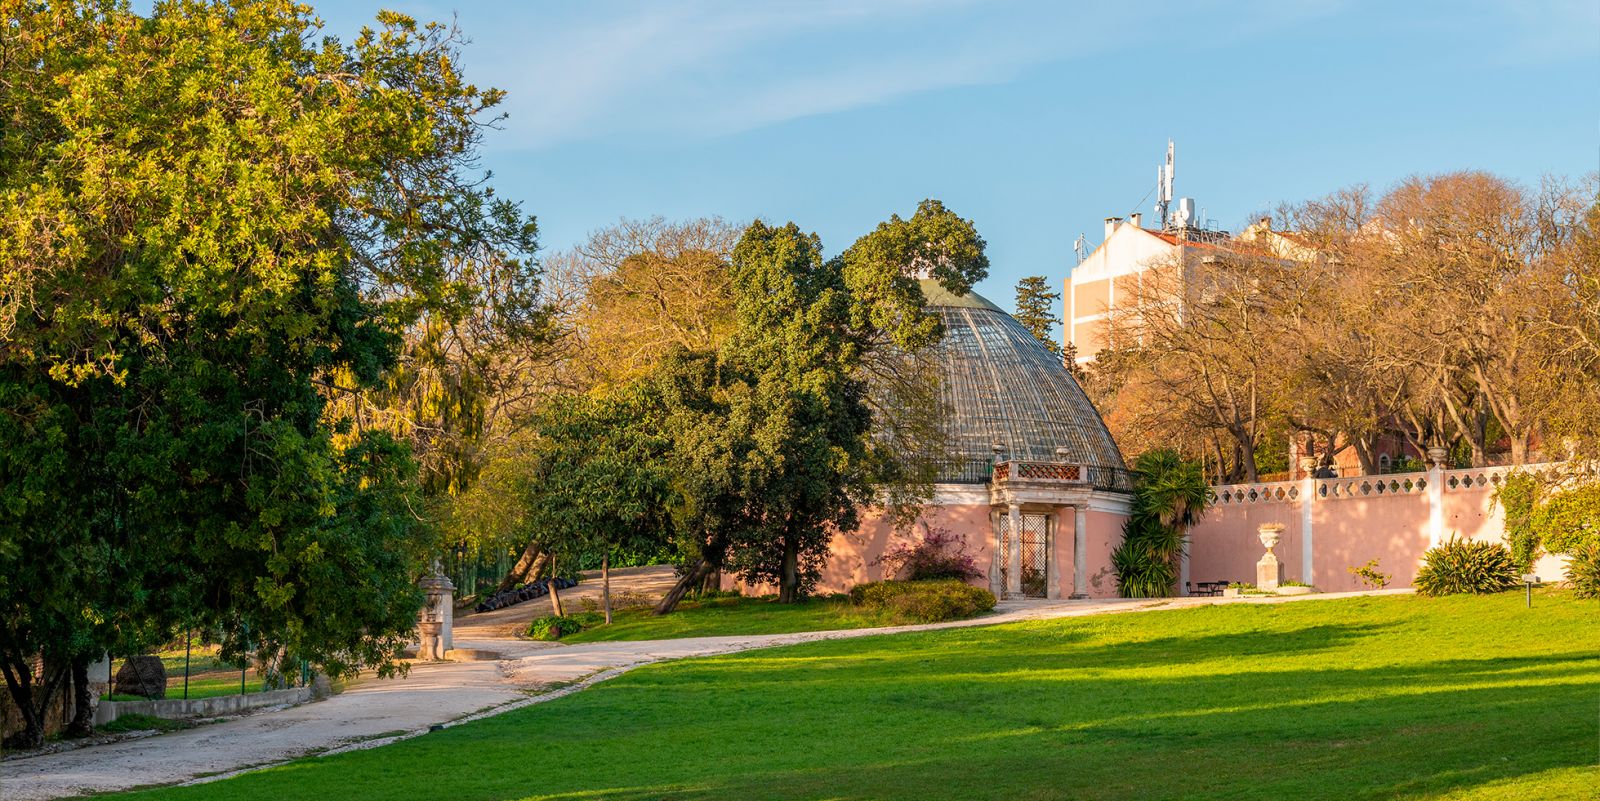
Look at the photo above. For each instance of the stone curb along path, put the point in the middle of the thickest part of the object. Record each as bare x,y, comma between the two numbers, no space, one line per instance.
379,712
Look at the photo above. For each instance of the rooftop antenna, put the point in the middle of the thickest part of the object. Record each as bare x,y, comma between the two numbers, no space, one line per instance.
1081,247
1164,187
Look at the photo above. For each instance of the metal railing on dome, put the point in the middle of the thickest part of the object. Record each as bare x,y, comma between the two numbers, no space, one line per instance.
1039,471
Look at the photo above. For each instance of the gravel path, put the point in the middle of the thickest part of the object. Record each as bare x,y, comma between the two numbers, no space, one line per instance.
377,712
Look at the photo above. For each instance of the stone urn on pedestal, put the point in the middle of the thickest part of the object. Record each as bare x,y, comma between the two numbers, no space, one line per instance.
1269,571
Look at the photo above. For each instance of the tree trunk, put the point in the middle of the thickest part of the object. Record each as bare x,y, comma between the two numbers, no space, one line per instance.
605,585
555,592
82,724
1363,446
1519,448
688,581
789,582
33,702
526,569
712,582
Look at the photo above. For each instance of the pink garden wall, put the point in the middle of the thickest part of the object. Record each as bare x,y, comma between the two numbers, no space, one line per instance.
1348,521
854,555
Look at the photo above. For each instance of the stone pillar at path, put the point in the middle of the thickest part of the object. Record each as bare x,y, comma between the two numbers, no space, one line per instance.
436,622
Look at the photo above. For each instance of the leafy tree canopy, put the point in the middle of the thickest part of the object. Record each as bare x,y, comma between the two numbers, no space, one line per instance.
207,215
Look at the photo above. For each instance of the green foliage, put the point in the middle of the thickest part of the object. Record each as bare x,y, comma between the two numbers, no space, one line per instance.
1170,496
1466,566
1370,576
940,554
1568,518
1583,570
1036,310
1519,496
592,476
554,627
269,211
773,450
929,601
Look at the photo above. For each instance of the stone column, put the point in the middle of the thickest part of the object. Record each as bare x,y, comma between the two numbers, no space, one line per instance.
1308,496
1436,457
435,622
1052,589
1014,554
997,554
1080,551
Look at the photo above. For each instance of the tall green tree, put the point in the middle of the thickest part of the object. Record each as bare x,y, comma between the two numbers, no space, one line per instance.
211,217
599,481
1036,310
779,422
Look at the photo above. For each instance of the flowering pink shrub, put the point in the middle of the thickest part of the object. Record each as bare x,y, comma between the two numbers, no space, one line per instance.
941,554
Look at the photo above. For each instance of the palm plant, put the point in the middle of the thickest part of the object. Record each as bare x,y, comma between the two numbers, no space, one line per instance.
1170,496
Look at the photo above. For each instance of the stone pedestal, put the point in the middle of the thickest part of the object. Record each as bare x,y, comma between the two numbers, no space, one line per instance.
1269,571
430,645
437,619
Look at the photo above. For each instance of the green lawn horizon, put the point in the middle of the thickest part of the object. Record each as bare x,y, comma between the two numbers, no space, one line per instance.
1396,697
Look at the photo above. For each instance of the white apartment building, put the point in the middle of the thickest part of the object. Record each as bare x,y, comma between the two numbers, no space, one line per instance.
1106,276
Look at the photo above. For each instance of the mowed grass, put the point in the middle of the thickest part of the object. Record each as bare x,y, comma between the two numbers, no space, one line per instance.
1394,697
730,615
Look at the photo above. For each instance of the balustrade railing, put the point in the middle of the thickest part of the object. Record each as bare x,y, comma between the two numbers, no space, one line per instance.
1039,471
1268,492
1372,486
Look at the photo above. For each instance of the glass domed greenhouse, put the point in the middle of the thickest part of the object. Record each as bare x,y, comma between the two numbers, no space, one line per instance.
1000,386
1031,482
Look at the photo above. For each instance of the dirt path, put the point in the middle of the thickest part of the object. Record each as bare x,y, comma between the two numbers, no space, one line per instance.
377,712
652,581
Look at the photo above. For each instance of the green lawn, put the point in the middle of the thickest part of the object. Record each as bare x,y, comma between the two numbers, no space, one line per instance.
1394,697
730,615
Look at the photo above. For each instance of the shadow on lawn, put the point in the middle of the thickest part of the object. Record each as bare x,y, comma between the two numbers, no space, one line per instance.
1029,712
1305,734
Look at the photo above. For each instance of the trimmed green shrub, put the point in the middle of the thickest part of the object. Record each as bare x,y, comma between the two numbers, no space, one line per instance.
1467,566
553,627
929,601
1583,572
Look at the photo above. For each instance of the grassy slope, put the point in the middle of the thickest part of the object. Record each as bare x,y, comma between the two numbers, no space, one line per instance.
725,616
1394,697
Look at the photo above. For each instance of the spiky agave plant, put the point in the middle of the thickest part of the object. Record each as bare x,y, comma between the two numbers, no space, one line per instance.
1466,566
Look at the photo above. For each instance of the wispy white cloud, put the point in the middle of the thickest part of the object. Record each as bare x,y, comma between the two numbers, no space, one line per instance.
711,67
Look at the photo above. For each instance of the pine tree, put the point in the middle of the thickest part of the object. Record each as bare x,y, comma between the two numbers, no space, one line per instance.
1036,310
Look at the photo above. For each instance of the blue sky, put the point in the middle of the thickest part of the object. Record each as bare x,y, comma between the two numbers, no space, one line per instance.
1034,119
